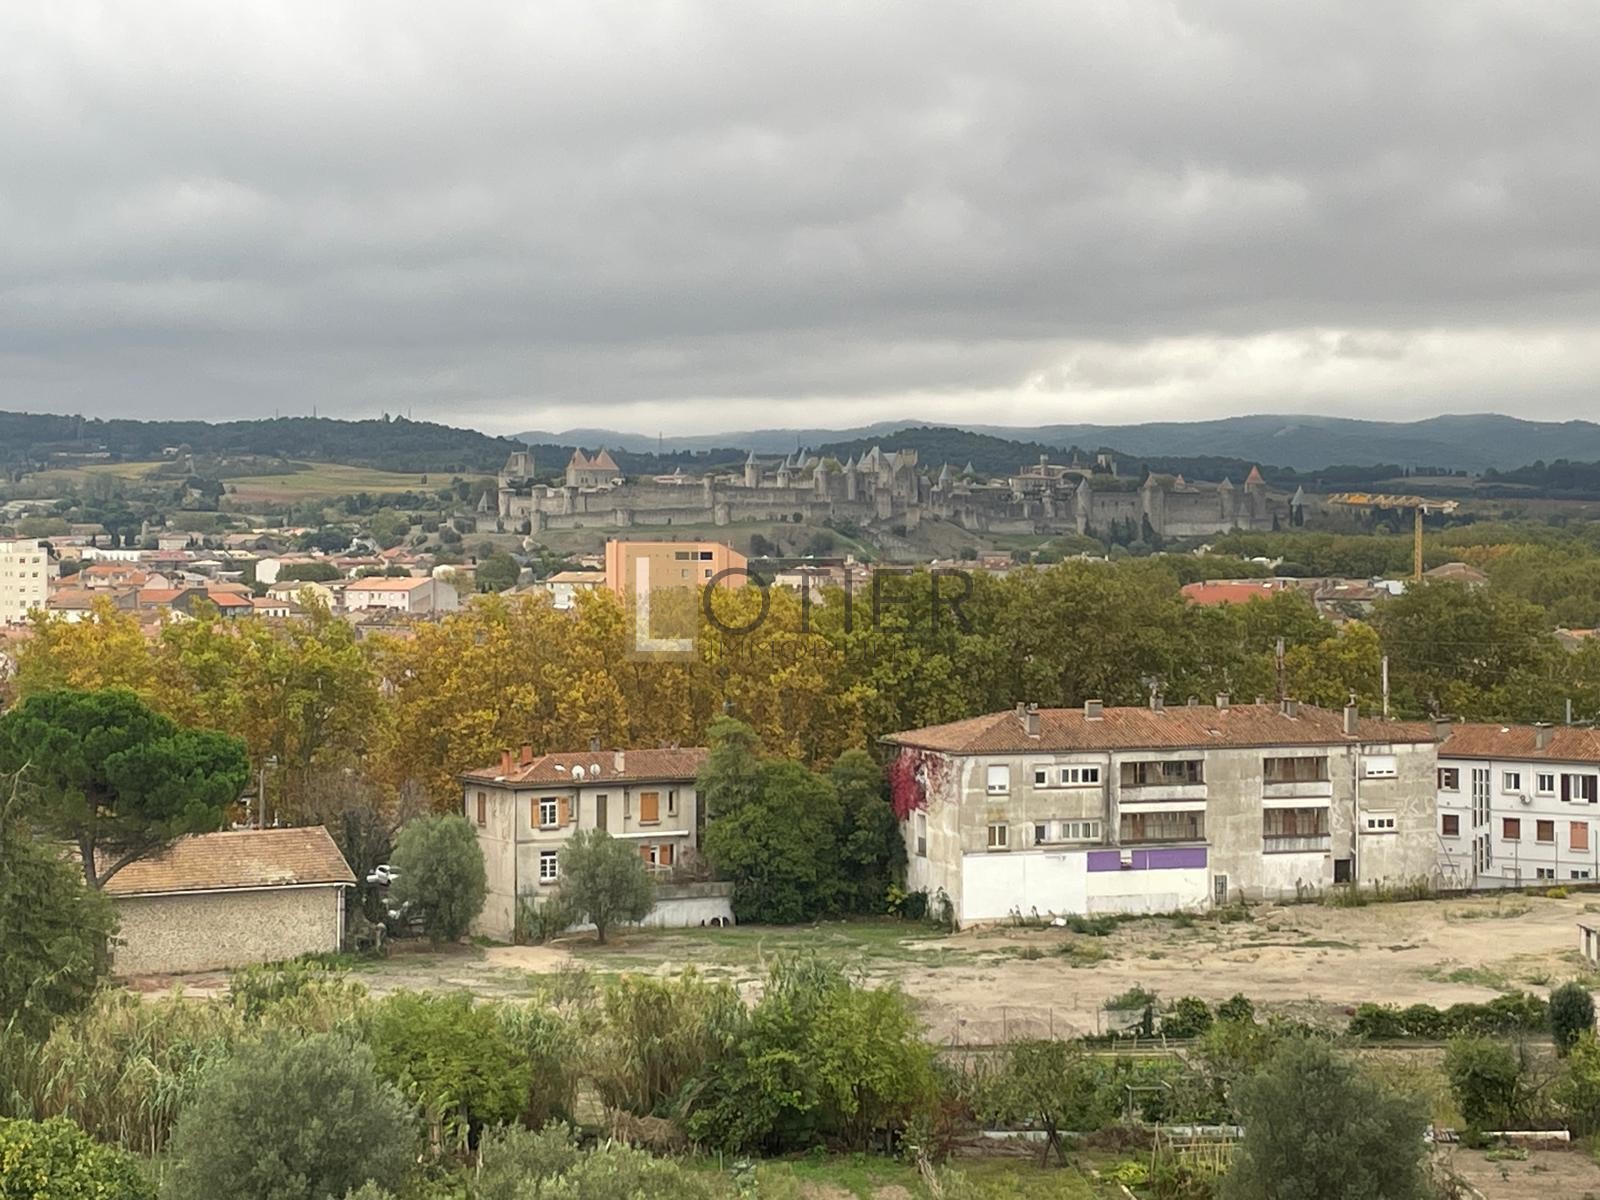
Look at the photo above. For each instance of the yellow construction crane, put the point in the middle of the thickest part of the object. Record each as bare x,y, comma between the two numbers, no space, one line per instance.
1418,505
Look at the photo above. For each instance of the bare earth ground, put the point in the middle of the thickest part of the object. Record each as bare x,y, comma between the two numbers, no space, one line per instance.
985,986
1545,1175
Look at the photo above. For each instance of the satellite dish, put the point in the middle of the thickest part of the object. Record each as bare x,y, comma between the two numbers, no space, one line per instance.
577,772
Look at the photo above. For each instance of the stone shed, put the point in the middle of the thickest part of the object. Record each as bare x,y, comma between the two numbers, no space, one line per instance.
216,901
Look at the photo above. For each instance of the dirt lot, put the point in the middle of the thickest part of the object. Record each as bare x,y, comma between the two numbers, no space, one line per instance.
1543,1175
987,986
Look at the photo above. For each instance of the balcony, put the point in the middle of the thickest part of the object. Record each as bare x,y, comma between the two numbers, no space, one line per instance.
1316,843
1298,789
1149,793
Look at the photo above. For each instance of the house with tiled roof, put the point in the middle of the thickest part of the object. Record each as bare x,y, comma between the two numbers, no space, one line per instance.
586,472
1518,805
217,901
526,806
415,595
1160,808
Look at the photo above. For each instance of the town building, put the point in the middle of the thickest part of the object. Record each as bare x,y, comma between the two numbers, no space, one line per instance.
414,595
25,574
634,566
217,901
1160,808
525,807
1518,805
564,586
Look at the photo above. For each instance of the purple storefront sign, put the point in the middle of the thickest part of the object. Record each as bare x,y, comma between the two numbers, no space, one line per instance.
1177,858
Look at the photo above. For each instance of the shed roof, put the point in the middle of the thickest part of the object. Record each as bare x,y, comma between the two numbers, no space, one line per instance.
236,861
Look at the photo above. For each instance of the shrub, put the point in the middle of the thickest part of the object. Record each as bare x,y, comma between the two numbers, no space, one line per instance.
452,1058
541,920
1578,1091
55,1160
1571,1014
552,1045
1237,1008
519,1165
1188,1017
657,1034
1486,1079
1518,1012
1051,1086
286,1120
441,878
604,881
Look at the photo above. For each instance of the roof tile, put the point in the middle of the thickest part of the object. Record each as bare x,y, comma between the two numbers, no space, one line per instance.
236,860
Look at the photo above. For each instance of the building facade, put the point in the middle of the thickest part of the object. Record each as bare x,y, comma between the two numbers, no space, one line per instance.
1518,805
25,574
1160,809
415,595
527,806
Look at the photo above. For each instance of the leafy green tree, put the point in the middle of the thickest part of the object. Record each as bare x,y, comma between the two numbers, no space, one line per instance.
605,881
1489,1081
116,778
730,778
55,1160
871,850
441,876
1577,1092
452,1057
1571,1014
54,929
1052,1085
778,847
1315,1128
282,1119
496,573
312,572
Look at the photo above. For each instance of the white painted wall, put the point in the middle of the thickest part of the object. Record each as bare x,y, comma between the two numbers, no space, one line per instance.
1057,883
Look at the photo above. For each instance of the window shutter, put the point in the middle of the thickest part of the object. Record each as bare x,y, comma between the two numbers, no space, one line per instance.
649,806
644,853
1566,787
666,854
561,811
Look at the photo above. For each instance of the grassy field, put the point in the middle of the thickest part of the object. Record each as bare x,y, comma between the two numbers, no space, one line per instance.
324,481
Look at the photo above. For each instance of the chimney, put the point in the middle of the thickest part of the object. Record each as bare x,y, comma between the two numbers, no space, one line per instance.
619,762
1222,701
1542,733
1260,699
1192,702
1291,708
505,762
1352,715
1093,710
1021,709
1158,702
527,754
594,744
1441,728
1030,720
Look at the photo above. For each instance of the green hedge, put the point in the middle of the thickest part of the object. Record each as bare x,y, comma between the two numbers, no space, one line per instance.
1517,1012
55,1160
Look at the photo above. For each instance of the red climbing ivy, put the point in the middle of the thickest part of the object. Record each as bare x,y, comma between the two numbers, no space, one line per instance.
913,774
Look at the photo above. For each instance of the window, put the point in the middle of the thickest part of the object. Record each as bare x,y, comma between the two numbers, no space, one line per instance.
1579,789
1578,833
1041,777
1380,766
999,780
921,827
549,866
1301,769
1079,775
672,802
649,808
1162,827
999,837
1580,874
1162,774
1511,829
483,809
1544,873
1080,831
1544,831
1450,825
1544,784
1449,779
1380,823
1294,822
1041,834
1511,781
548,813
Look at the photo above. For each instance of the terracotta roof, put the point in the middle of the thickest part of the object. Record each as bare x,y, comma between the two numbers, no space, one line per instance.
159,595
1230,591
228,599
637,766
603,461
250,858
378,583
71,597
1254,476
1459,572
1568,743
1175,727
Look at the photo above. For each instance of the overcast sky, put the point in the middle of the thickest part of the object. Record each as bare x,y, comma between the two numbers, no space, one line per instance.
691,217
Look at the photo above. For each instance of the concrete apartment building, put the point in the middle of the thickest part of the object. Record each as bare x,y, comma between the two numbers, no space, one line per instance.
670,565
25,575
1156,809
1518,805
525,807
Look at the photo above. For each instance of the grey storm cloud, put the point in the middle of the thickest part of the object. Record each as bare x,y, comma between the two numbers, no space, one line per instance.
703,215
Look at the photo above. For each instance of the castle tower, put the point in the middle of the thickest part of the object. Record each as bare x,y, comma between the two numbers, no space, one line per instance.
1255,495
752,471
1297,507
1152,500
1227,502
852,480
1085,502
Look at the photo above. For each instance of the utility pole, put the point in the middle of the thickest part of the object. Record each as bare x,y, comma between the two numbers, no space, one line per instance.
1385,687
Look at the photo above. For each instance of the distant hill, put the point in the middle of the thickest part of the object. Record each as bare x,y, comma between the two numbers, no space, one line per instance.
394,444
1471,443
